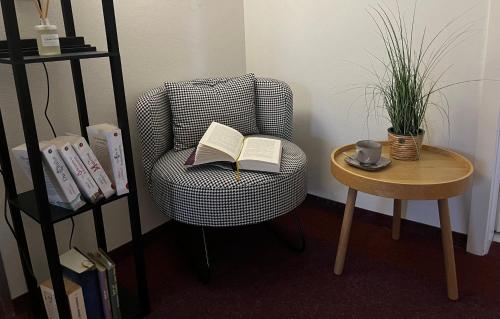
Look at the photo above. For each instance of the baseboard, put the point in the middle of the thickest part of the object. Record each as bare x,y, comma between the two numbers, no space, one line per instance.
375,218
496,238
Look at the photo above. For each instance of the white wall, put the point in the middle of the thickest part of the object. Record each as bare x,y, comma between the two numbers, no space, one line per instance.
159,40
316,46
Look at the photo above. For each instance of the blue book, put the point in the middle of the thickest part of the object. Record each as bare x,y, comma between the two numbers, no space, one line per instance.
77,267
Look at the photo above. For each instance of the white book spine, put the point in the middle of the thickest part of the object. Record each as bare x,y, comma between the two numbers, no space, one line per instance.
49,302
66,184
94,167
83,179
76,303
117,157
108,148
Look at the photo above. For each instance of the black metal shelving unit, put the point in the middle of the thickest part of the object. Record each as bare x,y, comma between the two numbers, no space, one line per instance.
35,203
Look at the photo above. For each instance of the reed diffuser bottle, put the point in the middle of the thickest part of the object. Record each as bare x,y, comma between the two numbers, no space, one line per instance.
47,38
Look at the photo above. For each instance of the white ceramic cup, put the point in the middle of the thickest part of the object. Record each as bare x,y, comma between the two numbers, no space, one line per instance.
368,152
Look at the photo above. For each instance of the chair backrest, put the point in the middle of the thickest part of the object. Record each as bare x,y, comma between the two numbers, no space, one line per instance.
274,108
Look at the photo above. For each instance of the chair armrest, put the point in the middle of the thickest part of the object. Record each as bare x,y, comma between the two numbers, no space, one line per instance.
154,122
274,107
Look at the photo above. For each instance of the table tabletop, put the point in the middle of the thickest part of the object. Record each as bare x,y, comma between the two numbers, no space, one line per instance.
438,174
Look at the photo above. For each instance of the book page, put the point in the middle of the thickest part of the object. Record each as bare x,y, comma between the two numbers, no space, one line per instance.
261,149
224,139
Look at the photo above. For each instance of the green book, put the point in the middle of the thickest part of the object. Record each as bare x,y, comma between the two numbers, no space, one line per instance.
110,266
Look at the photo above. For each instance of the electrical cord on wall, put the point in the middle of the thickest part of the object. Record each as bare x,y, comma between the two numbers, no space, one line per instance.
48,100
5,212
70,244
21,252
47,103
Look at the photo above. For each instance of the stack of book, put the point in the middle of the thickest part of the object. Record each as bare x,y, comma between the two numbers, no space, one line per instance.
76,171
91,286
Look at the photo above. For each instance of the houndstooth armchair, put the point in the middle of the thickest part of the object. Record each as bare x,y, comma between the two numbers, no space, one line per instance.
210,196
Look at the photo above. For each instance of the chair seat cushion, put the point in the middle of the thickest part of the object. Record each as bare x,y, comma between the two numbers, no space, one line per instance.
210,196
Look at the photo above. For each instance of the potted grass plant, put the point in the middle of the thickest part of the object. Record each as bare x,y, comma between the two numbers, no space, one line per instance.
406,86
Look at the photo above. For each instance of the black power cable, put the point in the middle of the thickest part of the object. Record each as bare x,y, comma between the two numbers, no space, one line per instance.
48,100
55,135
5,212
21,252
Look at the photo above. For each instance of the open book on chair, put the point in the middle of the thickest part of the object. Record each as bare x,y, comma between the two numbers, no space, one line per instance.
221,143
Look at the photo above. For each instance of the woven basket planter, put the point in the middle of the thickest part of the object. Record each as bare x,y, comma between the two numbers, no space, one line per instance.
404,147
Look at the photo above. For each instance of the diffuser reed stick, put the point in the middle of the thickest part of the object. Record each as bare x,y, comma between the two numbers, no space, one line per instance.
43,10
37,5
46,13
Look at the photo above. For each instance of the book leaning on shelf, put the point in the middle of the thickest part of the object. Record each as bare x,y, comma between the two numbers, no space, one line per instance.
103,286
106,142
82,177
101,257
61,188
91,162
221,143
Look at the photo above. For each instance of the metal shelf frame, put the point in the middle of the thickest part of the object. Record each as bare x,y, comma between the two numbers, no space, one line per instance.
38,197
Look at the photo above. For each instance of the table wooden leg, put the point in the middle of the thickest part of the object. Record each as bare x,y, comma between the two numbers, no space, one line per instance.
449,255
396,219
344,232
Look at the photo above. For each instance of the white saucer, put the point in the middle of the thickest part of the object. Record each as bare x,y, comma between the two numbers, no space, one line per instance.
382,163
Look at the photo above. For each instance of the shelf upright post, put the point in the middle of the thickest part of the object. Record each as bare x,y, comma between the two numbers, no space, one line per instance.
121,113
17,222
30,135
81,103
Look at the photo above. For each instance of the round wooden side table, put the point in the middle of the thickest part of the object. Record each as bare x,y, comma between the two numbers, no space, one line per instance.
438,175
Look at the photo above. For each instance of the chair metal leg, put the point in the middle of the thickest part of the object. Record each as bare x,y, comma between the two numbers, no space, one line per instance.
204,267
302,240
193,242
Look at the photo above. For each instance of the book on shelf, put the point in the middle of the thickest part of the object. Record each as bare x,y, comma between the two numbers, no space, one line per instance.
221,143
103,285
61,187
91,162
80,269
77,169
106,142
75,298
110,266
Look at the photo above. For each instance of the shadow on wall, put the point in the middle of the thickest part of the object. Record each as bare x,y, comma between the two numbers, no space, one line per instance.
311,141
